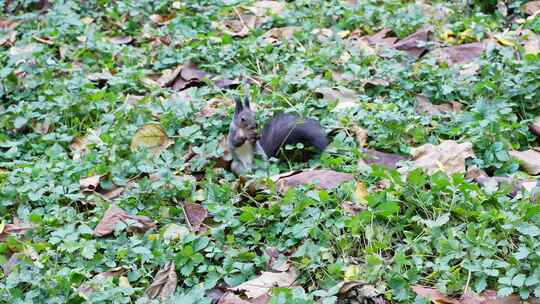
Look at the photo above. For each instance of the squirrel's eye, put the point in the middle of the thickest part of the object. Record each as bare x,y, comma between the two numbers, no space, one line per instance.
242,119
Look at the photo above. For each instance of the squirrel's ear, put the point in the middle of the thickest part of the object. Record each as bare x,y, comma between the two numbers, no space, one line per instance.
246,102
239,106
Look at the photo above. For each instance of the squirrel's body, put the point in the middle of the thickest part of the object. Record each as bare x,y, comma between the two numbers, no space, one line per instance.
282,129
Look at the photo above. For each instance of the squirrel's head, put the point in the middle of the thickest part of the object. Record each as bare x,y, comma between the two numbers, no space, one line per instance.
244,117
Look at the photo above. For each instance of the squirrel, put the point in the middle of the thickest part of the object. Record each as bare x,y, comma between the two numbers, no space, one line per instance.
283,129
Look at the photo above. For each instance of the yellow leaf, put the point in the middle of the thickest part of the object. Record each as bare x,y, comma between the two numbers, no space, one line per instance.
123,282
2,227
448,36
360,193
352,273
151,136
153,237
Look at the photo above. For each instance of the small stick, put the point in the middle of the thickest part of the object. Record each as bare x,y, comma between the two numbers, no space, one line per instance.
185,214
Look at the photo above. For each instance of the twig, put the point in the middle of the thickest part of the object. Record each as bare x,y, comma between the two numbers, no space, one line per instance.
467,284
185,214
240,17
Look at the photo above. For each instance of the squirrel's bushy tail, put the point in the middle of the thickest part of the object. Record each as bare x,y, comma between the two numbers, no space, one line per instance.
290,129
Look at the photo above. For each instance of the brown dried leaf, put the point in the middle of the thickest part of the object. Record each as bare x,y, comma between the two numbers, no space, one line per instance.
190,72
7,24
322,179
114,215
262,8
460,54
433,294
231,298
44,40
87,288
276,35
169,76
345,98
449,156
531,7
322,33
7,267
360,193
15,228
423,105
382,158
530,41
113,193
151,136
535,126
79,145
121,40
381,38
414,44
8,39
352,208
41,127
267,280
161,20
164,283
227,83
196,215
238,27
264,299
361,135
529,160
490,297
89,184
86,20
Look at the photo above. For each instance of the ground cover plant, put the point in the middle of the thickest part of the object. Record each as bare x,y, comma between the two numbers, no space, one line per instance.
114,174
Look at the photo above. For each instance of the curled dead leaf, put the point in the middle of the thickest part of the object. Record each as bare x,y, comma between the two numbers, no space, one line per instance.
152,137
89,184
115,215
164,283
531,7
322,179
262,284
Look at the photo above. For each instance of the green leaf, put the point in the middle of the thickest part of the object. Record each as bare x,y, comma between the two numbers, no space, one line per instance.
89,249
387,209
528,229
519,280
